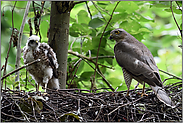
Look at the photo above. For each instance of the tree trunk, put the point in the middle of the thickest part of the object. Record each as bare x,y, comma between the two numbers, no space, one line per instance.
58,35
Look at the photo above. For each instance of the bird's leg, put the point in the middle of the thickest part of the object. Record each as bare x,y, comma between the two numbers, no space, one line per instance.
45,87
136,86
127,94
143,92
37,87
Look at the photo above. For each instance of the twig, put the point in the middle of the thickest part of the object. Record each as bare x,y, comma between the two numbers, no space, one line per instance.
33,110
90,58
102,37
25,116
76,39
171,75
99,11
18,56
174,18
88,8
38,60
101,76
125,105
74,73
6,61
178,6
12,116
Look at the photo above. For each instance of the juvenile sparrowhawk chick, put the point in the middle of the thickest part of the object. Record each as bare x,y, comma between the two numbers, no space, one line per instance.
45,71
138,63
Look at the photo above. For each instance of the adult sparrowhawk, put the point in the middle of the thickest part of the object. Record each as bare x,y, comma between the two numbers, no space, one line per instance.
138,63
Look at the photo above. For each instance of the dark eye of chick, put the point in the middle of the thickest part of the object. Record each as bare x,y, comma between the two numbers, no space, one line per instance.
117,32
31,41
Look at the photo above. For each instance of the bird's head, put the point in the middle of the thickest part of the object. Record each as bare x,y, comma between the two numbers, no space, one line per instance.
118,34
33,41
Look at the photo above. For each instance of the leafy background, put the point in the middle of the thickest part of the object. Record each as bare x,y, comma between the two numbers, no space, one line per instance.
151,22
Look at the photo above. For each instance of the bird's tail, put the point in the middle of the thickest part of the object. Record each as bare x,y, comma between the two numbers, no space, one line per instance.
162,96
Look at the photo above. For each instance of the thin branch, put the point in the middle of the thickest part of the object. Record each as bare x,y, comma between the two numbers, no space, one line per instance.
88,8
125,105
18,56
174,18
25,116
6,61
28,64
100,12
102,36
12,116
90,58
74,73
103,9
178,6
42,6
171,75
100,73
76,39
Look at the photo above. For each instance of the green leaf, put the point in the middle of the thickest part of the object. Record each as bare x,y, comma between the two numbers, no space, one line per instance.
96,40
86,76
81,66
64,117
130,25
177,11
95,23
127,6
83,17
109,60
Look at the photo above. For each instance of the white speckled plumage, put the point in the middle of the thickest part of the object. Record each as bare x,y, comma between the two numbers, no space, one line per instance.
43,72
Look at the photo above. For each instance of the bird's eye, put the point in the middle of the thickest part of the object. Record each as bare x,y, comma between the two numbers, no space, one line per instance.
31,41
117,32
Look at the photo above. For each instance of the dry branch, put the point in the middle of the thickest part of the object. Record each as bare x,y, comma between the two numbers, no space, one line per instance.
102,37
73,105
38,60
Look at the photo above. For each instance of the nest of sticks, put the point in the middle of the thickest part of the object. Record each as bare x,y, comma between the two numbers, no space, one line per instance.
72,105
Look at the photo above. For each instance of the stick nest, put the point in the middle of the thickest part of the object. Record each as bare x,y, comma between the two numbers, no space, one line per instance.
73,105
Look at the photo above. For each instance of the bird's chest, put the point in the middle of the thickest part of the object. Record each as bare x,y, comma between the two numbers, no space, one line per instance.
37,69
126,54
31,56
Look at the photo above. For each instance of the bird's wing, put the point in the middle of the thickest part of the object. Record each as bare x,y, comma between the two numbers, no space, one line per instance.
137,61
49,53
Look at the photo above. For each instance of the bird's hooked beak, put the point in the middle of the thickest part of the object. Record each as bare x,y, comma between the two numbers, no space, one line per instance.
111,37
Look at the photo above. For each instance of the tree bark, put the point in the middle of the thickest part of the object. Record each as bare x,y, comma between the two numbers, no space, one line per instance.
58,35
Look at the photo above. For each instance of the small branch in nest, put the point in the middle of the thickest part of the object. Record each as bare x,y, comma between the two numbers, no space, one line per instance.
12,116
34,114
38,60
25,116
125,105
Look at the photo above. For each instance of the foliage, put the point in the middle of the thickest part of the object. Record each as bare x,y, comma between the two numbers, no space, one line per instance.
151,22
